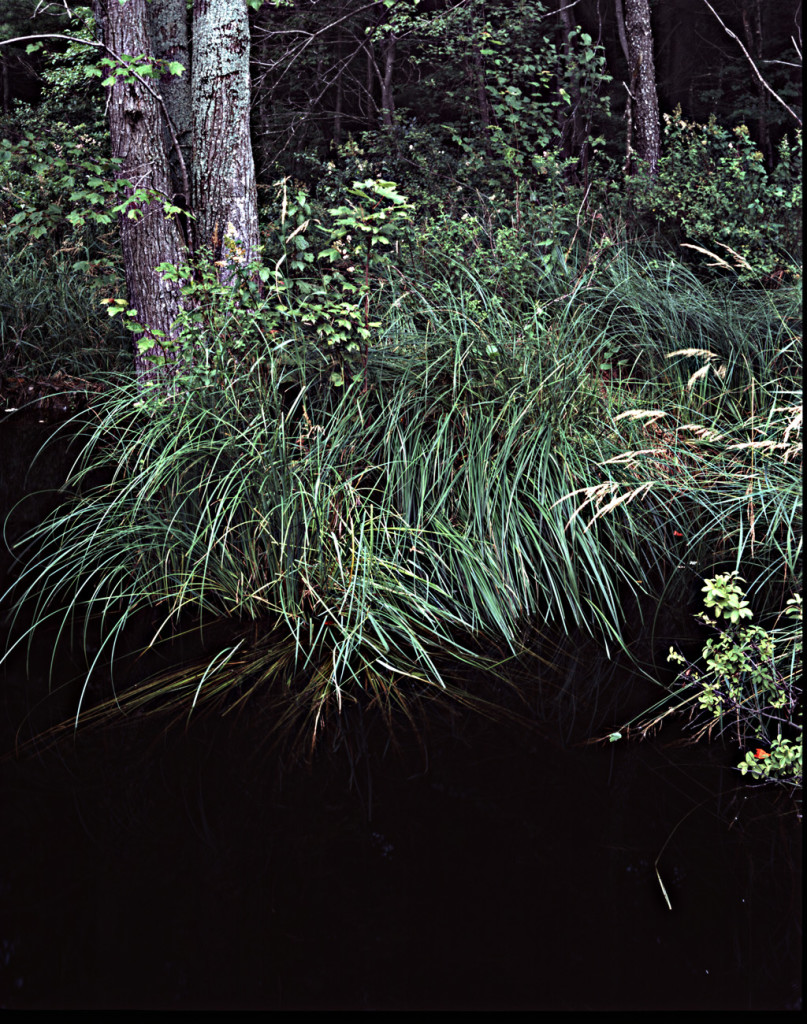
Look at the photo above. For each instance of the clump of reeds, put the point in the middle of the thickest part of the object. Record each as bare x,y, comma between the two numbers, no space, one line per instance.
481,471
52,319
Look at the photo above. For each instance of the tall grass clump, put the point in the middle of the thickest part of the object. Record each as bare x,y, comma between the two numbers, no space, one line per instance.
711,417
480,471
52,319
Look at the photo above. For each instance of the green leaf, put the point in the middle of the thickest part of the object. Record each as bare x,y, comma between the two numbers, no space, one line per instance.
175,68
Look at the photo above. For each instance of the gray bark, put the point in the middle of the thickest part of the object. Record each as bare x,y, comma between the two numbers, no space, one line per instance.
752,28
148,238
646,124
620,25
224,198
203,115
339,99
4,66
168,33
477,72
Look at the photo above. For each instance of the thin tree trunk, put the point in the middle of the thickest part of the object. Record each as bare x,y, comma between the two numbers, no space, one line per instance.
338,107
225,198
753,40
646,123
4,65
572,131
482,102
339,99
148,238
387,99
620,27
369,82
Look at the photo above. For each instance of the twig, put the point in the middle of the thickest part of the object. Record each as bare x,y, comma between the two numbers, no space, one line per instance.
756,71
102,46
52,35
664,847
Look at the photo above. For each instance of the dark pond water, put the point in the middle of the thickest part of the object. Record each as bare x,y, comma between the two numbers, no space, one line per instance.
504,868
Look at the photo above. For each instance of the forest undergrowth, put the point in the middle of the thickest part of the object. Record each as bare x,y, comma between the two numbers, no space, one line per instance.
378,503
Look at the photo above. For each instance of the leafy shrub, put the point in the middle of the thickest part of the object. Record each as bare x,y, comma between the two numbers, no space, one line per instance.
713,190
748,681
57,191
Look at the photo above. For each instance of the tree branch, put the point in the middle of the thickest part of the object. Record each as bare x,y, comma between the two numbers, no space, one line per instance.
755,69
52,35
102,46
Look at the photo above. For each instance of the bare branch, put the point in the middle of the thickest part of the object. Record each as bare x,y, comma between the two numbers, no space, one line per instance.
52,35
755,69
558,11
787,63
43,6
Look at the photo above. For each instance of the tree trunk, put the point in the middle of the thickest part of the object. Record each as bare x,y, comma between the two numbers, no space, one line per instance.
752,29
369,82
224,194
477,73
168,32
338,105
644,99
387,99
4,66
148,237
573,139
339,98
197,129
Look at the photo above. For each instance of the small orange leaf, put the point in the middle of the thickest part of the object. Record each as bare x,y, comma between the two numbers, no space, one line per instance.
759,753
